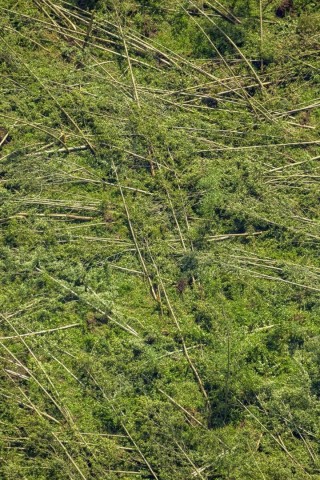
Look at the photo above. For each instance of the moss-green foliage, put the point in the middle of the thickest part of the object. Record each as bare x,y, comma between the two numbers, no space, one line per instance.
159,191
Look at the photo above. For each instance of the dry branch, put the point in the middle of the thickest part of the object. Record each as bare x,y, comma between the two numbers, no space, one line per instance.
41,332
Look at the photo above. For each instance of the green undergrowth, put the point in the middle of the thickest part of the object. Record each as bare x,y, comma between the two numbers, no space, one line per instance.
159,186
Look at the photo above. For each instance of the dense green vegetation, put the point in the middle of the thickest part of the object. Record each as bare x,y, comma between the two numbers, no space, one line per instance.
159,233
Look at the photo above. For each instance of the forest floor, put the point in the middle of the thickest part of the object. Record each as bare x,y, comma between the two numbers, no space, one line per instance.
159,240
